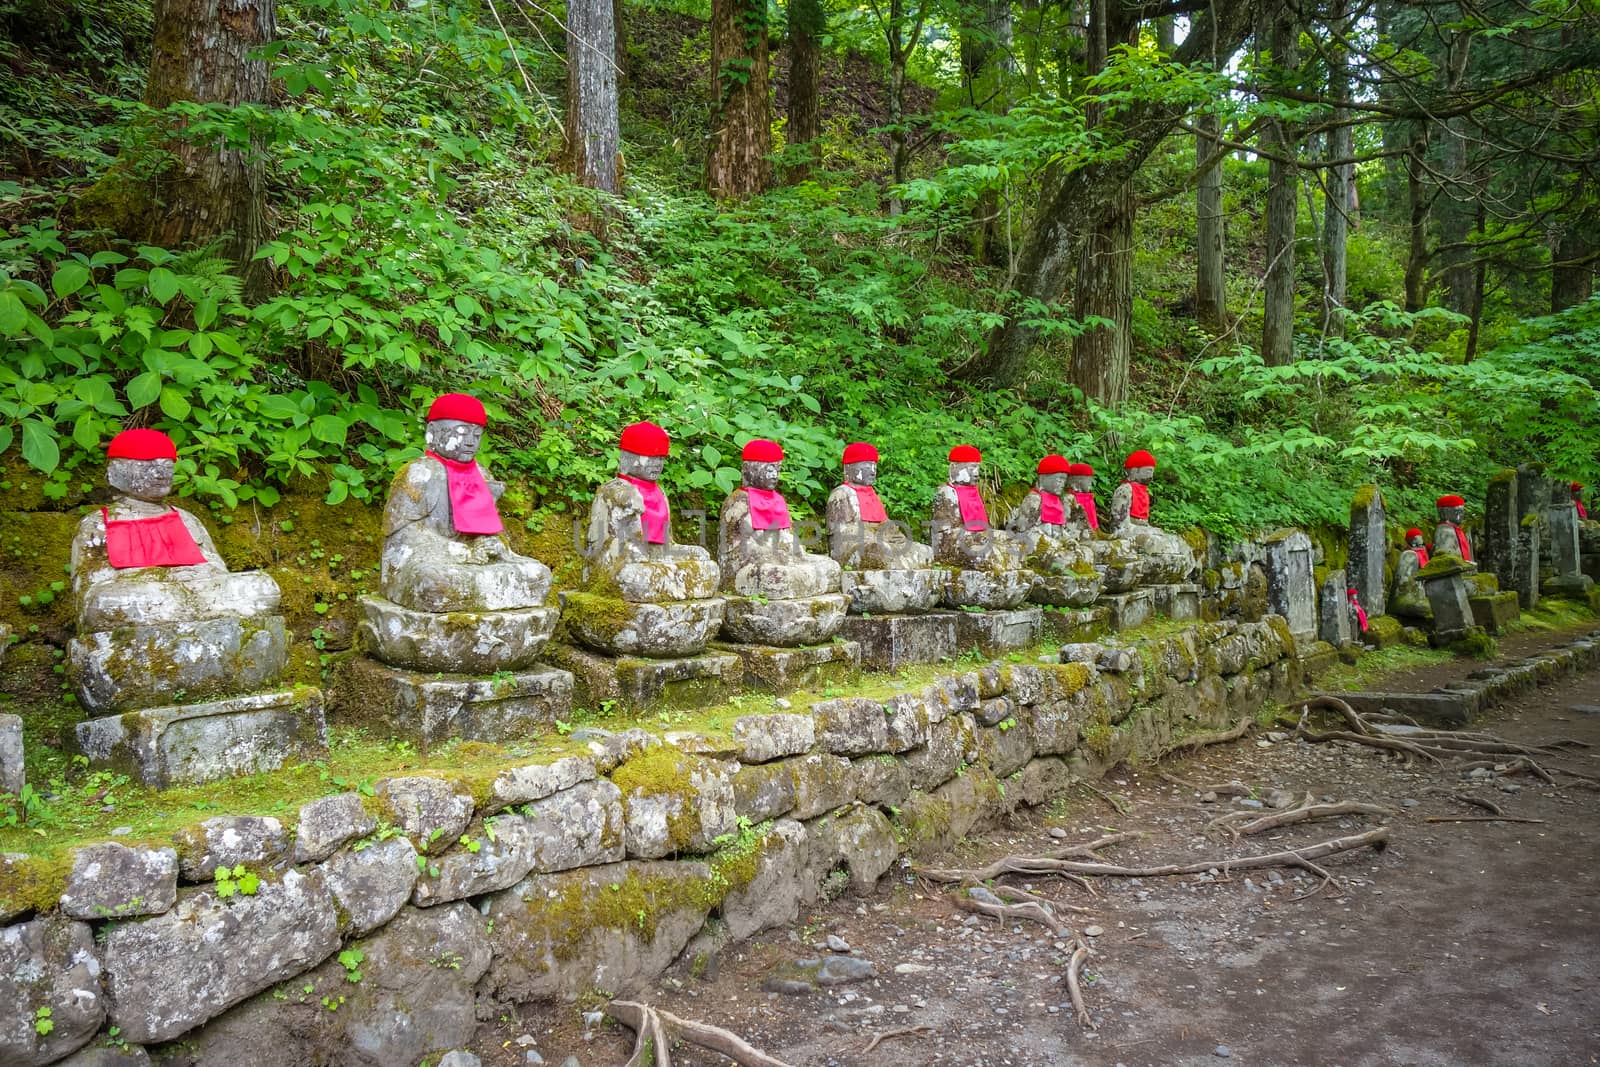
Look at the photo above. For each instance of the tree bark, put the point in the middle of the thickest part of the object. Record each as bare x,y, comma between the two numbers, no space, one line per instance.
1454,208
1338,178
901,44
985,66
1283,181
741,138
620,26
1211,301
1572,276
807,24
593,133
1417,198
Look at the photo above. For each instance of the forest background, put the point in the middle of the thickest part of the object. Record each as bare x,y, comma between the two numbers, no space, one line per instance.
1289,247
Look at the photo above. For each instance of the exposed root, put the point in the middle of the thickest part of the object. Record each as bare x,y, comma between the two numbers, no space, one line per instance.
1080,956
1230,789
890,1035
655,1028
1046,863
1114,802
1211,737
1032,910
1480,818
1244,823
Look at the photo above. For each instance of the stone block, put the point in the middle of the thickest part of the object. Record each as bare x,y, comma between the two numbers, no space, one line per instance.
786,623
112,881
11,765
430,811
48,964
937,761
908,718
995,633
1383,631
763,738
1124,611
685,683
887,592
1494,611
881,780
328,822
1570,586
1065,590
860,841
194,743
1319,657
1334,622
763,791
1076,624
1526,572
1055,727
431,709
1444,709
1499,544
535,781
625,628
890,642
821,782
1446,586
1041,781
455,642
783,670
135,667
370,881
1179,602
1369,549
851,726
673,802
771,895
229,840
990,590
1291,582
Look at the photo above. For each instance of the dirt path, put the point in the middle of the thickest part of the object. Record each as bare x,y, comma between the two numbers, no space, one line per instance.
1462,943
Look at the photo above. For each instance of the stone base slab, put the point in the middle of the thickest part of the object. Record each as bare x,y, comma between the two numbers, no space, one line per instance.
996,632
1574,586
1127,610
1448,710
803,621
467,642
1074,625
783,670
679,683
1318,659
1064,590
433,708
192,743
887,592
629,628
890,642
1494,611
150,666
990,590
1180,602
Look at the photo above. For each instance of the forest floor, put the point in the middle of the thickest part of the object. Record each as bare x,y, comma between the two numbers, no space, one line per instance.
1461,943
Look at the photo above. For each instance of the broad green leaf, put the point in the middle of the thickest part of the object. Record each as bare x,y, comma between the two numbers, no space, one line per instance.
163,284
337,491
69,278
143,390
173,403
39,446
13,316
329,428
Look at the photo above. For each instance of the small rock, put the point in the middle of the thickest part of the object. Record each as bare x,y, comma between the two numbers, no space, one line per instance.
1208,797
1263,743
1510,787
1093,931
1252,803
570,1061
837,944
1223,1051
1277,735
1278,799
121,831
911,968
782,703
533,1057
1410,802
459,1058
1058,833
983,896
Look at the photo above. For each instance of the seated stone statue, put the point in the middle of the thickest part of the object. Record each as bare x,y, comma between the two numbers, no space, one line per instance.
885,571
989,570
1115,558
158,612
456,596
645,593
1063,568
1165,557
1449,539
777,592
1409,600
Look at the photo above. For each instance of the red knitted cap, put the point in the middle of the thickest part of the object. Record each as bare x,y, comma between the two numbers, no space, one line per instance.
1451,501
1413,532
141,444
860,452
645,439
1054,464
965,454
763,451
1577,486
458,406
1081,470
1140,458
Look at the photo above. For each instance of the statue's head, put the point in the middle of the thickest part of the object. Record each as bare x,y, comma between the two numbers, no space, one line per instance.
965,462
139,463
1451,509
1577,491
643,452
1052,474
763,460
860,464
1080,476
1139,467
455,426
1414,538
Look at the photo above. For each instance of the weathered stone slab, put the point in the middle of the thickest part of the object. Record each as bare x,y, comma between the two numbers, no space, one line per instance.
1446,587
881,780
995,633
12,773
1498,546
763,738
535,781
937,761
169,974
771,896
861,841
328,822
688,682
989,590
1447,710
47,964
1077,624
822,782
194,743
627,628
112,881
891,592
1291,582
1369,549
1065,590
228,840
786,623
1494,611
674,802
1334,612
1179,602
454,642
107,1056
851,726
890,642
431,709
429,811
763,791
149,666
370,881
783,670
1124,611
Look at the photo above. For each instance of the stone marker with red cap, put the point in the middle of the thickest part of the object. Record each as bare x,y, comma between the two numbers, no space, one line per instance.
1064,572
161,620
885,571
988,570
645,594
1449,538
1165,558
1409,600
777,593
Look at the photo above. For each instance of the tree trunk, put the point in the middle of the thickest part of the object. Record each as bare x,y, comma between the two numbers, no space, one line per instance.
741,138
1454,207
620,27
592,124
1339,177
985,65
807,24
1417,197
1283,180
1211,299
1572,276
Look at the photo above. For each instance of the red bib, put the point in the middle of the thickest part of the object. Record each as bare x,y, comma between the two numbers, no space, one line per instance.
1140,508
1462,542
160,541
1051,513
654,519
870,506
768,509
1086,502
974,516
472,509
1583,512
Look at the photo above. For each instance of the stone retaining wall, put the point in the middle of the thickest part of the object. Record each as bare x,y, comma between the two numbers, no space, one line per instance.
377,930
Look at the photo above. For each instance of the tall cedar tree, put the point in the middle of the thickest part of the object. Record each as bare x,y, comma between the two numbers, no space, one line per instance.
1283,189
807,24
741,125
593,127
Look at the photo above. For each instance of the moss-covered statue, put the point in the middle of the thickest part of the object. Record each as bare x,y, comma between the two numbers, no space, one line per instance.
1409,601
885,571
159,615
1114,557
456,596
1449,537
987,565
645,594
1165,557
1063,566
777,592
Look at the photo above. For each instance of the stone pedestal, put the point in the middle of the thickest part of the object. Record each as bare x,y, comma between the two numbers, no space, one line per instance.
1291,582
1334,614
150,666
1318,658
460,642
989,590
630,628
785,623
1065,590
11,764
1567,579
889,592
1497,548
890,642
1368,549
1493,611
783,670
1180,602
1445,583
1076,625
678,683
431,709
193,743
996,632
1525,574
1124,611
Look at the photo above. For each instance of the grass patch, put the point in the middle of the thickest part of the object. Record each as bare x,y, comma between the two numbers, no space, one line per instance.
1379,664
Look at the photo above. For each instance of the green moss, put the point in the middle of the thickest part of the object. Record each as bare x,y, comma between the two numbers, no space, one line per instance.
595,612
1364,497
1440,566
1477,643
735,866
1505,474
1482,585
32,883
664,771
637,902
1070,677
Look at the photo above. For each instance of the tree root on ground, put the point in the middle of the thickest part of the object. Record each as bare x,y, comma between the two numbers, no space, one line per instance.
1246,823
1229,789
890,1035
1210,737
654,1030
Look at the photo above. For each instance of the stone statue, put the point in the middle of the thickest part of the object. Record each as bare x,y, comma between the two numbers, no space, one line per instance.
1085,518
1165,557
1409,599
1577,501
1449,539
988,563
1064,568
885,571
778,593
456,596
645,593
1114,557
